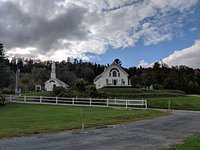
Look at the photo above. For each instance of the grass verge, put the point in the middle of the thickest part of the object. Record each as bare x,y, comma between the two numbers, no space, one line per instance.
21,119
184,102
192,143
139,93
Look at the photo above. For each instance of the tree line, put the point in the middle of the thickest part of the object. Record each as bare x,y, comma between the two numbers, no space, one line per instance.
76,72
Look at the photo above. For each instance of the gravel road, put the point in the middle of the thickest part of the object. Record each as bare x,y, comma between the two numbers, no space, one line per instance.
141,135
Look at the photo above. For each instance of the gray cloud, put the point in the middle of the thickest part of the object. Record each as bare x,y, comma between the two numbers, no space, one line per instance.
124,5
12,22
73,28
19,29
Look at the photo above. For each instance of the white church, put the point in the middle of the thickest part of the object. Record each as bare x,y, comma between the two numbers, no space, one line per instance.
113,76
53,81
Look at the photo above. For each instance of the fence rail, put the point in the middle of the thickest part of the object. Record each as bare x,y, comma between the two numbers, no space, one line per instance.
134,104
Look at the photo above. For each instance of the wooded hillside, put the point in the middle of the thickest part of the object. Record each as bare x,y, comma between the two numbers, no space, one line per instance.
161,76
34,72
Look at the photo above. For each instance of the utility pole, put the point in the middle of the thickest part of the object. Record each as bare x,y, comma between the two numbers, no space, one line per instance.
17,77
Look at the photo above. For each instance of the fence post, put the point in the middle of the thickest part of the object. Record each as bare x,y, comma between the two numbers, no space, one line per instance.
90,101
73,100
56,100
10,98
107,103
126,104
169,105
24,98
40,99
145,104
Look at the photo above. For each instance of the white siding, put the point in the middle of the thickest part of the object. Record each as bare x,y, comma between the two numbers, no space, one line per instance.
50,85
101,82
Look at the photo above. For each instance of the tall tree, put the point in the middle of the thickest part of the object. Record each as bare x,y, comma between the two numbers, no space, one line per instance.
117,61
4,69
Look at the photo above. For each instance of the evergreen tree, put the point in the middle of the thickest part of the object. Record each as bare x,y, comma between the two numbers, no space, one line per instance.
4,69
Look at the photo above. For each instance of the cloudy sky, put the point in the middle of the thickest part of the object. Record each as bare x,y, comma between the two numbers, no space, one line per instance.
138,32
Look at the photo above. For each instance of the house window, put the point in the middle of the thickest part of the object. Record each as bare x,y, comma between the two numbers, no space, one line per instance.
114,73
106,81
122,81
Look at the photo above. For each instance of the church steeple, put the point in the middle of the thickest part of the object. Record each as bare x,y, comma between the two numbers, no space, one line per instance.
53,70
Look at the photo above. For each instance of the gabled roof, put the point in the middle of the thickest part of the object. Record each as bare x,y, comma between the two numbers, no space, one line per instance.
118,66
58,81
97,77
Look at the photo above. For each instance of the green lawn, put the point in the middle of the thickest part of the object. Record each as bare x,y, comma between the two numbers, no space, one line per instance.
156,98
139,93
192,143
184,102
20,119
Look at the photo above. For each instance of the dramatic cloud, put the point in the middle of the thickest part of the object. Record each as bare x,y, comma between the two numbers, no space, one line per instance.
57,29
188,57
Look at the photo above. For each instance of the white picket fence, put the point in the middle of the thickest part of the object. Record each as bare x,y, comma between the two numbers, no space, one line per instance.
134,104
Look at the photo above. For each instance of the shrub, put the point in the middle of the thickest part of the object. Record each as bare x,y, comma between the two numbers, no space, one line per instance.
80,85
62,92
92,91
3,99
7,91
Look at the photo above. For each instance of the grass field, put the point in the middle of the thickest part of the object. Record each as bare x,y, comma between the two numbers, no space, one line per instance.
157,98
192,143
184,102
139,93
137,90
21,119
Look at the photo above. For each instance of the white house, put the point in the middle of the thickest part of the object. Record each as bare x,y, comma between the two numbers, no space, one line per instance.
114,76
53,81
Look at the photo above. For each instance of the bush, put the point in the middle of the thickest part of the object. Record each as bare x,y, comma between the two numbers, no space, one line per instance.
7,91
62,92
80,85
92,91
58,91
3,100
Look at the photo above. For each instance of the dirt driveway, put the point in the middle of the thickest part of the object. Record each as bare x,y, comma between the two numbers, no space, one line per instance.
142,135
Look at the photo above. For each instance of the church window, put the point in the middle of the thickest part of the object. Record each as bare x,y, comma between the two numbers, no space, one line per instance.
114,73
52,81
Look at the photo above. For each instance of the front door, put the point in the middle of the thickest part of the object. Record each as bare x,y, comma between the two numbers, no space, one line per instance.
114,82
54,86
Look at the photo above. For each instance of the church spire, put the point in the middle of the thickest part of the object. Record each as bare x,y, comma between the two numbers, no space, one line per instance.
53,70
